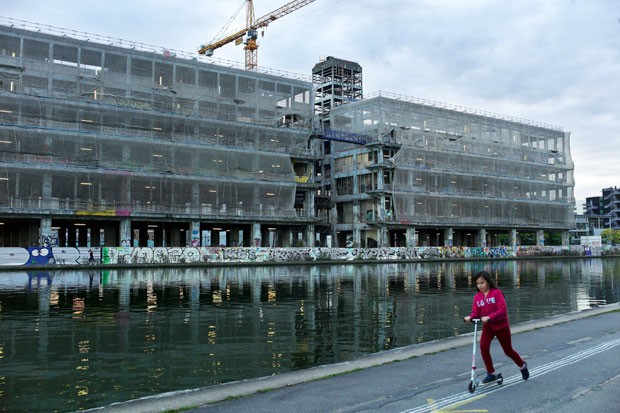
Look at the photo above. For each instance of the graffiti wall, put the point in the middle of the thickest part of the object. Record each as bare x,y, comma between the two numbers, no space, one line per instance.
194,255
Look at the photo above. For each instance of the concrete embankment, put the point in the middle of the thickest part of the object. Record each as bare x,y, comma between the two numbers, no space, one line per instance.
188,399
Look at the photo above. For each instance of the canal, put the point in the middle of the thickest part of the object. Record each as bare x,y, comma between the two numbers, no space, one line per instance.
72,340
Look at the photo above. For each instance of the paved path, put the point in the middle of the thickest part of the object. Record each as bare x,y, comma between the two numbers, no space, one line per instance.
574,361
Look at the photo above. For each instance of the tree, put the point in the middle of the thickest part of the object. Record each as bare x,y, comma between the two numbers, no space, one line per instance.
610,236
553,238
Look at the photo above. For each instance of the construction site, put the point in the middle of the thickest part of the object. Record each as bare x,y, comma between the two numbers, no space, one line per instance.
112,143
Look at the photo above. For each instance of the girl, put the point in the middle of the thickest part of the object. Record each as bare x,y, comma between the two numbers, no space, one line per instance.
490,307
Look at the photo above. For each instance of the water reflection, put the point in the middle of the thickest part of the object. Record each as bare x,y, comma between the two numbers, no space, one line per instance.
85,339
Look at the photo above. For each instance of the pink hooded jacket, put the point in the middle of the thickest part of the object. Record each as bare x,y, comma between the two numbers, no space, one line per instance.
492,306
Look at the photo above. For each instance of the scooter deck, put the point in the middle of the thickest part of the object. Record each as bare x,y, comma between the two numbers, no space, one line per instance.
474,384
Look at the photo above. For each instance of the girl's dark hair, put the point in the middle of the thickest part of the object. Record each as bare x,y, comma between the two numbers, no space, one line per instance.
487,278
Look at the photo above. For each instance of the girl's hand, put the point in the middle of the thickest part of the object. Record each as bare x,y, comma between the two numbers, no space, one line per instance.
485,319
467,319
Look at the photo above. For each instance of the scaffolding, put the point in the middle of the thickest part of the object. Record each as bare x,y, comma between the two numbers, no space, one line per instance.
89,129
123,138
453,168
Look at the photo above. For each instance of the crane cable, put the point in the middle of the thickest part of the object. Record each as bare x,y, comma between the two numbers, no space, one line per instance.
225,27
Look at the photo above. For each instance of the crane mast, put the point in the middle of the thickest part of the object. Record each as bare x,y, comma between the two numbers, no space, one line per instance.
249,34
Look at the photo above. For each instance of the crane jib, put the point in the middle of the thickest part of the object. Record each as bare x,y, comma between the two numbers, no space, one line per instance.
250,30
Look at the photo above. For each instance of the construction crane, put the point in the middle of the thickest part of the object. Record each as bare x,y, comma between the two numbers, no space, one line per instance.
249,34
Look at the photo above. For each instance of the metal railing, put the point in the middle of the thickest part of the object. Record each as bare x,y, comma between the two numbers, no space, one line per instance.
463,109
127,44
87,208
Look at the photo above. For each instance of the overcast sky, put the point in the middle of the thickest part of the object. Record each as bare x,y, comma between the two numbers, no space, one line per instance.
551,61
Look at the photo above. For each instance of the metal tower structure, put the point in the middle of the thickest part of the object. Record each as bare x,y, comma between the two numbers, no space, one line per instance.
336,82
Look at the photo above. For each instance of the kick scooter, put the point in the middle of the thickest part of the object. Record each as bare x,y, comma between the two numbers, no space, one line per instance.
475,381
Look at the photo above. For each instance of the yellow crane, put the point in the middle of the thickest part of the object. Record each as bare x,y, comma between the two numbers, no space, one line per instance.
249,34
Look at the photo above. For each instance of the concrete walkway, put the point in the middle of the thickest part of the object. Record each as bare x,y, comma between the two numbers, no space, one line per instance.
192,399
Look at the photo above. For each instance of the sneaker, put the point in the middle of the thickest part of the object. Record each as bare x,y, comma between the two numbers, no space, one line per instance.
525,373
489,378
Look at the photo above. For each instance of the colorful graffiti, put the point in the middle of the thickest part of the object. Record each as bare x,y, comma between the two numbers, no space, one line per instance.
195,255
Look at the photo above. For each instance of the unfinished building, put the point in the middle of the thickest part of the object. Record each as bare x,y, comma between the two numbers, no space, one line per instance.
107,144
428,174
122,144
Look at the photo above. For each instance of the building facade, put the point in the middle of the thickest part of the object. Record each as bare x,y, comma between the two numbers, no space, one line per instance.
595,213
611,207
603,212
432,175
109,144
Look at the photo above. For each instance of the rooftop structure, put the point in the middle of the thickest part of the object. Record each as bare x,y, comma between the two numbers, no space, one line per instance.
338,82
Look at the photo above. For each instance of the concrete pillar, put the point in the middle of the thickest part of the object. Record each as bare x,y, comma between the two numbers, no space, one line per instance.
411,237
257,237
333,218
195,234
448,235
309,212
196,198
482,236
540,237
356,213
125,201
380,206
126,187
513,238
383,238
357,236
287,237
357,233
46,191
309,204
310,237
565,238
46,230
125,232
380,182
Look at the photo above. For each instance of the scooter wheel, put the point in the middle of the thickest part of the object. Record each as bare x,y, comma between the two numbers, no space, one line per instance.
472,387
500,379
